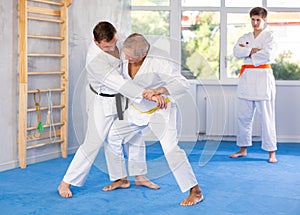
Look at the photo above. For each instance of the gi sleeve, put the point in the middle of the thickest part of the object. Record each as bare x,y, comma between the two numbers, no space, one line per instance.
176,84
241,51
106,73
268,51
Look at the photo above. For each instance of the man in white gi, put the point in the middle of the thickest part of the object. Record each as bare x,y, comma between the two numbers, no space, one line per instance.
150,67
105,81
256,88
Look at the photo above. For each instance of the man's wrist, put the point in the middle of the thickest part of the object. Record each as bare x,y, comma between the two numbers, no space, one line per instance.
162,90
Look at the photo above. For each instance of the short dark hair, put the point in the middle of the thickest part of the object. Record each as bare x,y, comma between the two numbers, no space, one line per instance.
104,31
258,11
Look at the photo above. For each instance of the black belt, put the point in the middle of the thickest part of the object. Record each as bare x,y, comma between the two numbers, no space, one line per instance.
118,101
101,94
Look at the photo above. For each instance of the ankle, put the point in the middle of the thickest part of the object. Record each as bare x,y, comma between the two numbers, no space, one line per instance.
272,153
140,177
196,189
243,149
65,184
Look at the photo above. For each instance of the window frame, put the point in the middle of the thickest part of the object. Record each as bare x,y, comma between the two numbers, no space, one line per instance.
175,9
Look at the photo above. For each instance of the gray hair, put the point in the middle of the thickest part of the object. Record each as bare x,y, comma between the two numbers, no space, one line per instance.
137,43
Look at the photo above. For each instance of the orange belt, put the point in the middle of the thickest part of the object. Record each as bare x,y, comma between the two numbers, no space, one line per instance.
250,66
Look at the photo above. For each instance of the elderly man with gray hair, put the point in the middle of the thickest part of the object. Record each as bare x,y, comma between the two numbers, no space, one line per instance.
150,67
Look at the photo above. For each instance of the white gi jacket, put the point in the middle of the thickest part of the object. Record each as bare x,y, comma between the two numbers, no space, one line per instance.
256,84
157,70
103,75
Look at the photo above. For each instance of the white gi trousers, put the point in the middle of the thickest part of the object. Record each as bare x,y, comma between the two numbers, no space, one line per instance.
245,115
101,116
123,131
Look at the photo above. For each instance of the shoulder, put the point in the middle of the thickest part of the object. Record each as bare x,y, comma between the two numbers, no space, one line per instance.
96,57
92,52
268,35
158,54
267,32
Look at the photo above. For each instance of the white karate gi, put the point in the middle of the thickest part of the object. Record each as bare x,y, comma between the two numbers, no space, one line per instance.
156,71
102,73
256,89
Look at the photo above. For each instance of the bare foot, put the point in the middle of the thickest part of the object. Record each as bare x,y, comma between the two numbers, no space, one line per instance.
143,181
120,183
64,190
241,153
194,197
272,157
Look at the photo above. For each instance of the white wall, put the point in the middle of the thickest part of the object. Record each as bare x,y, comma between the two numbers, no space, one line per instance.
81,24
287,108
192,108
288,113
8,83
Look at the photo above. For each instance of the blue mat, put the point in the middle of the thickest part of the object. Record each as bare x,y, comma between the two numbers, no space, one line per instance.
247,185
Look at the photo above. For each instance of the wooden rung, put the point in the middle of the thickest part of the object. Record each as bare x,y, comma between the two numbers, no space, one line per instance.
44,144
46,91
55,14
45,37
45,19
44,55
48,2
45,126
46,108
44,135
43,11
46,73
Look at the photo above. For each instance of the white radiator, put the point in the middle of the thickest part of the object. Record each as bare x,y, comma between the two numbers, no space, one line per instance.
221,116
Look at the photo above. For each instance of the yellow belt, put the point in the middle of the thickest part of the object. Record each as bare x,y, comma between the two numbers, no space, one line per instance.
151,110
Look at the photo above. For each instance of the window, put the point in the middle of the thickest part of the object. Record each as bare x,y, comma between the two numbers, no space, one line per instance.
200,44
201,3
151,22
286,27
202,33
247,3
150,2
283,3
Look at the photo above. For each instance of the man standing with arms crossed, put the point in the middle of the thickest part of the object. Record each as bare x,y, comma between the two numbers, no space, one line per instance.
256,89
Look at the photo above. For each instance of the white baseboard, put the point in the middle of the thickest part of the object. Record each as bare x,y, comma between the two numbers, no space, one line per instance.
44,157
35,159
9,165
283,139
288,139
181,138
